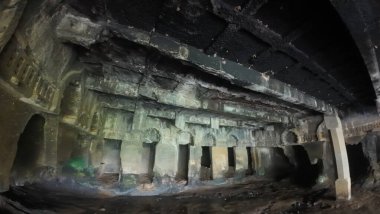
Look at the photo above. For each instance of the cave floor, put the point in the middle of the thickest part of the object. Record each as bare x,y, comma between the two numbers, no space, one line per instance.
257,197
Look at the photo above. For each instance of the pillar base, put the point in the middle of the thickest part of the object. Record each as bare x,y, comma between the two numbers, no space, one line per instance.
343,189
145,178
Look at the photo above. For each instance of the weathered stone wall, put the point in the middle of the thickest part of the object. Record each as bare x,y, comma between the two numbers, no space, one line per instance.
131,127
30,60
129,114
10,14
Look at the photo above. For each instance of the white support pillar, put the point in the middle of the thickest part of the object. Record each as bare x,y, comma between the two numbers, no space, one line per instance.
343,183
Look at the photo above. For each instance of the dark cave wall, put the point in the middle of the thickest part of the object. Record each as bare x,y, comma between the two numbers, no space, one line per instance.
371,152
359,15
31,64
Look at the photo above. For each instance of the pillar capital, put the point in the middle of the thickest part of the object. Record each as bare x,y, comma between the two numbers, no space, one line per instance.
332,121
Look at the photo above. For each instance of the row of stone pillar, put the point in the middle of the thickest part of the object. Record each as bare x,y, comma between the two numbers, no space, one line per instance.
180,161
210,162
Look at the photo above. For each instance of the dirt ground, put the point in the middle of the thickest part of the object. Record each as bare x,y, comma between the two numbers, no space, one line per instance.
253,197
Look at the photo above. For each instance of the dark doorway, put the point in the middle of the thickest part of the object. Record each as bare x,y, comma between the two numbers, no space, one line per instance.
206,161
206,156
250,170
183,162
29,148
149,150
358,162
231,162
306,173
231,157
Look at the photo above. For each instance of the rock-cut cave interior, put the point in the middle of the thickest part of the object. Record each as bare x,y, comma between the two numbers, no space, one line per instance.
189,106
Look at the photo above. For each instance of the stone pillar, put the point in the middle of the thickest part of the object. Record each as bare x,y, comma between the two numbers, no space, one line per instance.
256,160
241,155
166,159
82,149
219,164
51,141
195,163
343,183
131,154
96,148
